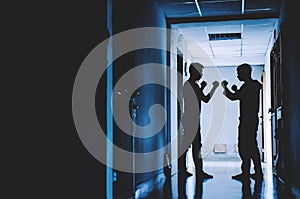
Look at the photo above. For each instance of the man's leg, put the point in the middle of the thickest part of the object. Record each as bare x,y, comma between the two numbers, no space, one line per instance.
243,147
198,161
182,159
245,166
182,162
196,146
255,155
244,154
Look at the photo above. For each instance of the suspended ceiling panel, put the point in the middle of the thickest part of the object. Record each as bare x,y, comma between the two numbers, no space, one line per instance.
208,8
255,37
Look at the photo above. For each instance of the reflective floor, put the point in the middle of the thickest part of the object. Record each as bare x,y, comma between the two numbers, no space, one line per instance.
221,186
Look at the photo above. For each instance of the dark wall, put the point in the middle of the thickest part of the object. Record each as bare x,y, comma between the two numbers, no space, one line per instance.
91,31
60,34
85,22
291,67
127,15
134,14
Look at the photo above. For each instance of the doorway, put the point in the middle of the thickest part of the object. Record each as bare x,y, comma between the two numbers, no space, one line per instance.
226,51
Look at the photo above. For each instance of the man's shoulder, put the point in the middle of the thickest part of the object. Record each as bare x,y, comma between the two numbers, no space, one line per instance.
256,84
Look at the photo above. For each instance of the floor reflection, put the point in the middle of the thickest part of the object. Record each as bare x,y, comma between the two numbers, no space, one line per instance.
186,188
256,193
221,186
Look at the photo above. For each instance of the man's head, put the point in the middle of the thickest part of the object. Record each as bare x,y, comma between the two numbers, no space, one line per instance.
244,72
196,71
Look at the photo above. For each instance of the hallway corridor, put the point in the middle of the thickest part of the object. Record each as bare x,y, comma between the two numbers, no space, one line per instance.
133,59
220,187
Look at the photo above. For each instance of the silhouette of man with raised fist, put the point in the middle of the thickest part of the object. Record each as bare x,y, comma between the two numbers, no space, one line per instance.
248,96
191,117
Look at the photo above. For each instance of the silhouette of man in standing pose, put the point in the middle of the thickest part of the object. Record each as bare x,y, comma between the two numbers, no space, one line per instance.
248,95
191,117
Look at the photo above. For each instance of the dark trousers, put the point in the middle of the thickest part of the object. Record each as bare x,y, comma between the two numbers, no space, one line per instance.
196,148
248,147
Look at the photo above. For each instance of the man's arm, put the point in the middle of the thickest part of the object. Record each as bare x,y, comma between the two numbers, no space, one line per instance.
206,98
230,95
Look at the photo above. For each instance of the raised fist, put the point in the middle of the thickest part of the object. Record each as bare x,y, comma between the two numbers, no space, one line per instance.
203,84
224,83
215,83
234,87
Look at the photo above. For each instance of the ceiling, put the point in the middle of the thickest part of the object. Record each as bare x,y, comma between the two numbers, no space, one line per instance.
251,47
255,33
205,8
